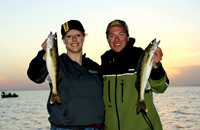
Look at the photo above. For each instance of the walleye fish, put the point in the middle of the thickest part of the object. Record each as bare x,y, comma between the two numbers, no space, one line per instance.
145,65
51,57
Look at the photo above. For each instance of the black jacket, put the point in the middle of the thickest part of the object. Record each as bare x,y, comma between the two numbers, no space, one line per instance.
80,90
120,62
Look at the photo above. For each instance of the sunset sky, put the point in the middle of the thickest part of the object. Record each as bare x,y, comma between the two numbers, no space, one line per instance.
24,25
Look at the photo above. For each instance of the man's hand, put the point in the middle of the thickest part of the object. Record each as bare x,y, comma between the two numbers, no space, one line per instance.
158,55
44,44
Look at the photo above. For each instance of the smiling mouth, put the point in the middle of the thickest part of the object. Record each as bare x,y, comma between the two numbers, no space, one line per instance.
118,44
74,45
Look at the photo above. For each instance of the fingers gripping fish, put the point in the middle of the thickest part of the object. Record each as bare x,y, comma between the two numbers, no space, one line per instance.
51,57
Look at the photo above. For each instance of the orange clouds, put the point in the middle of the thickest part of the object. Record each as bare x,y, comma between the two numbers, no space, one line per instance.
172,72
3,80
186,75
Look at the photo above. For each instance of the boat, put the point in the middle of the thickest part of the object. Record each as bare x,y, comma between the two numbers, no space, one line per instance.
9,95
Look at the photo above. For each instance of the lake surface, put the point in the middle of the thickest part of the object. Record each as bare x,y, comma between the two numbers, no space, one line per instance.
178,107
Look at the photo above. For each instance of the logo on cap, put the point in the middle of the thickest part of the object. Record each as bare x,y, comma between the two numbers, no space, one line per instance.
115,23
65,26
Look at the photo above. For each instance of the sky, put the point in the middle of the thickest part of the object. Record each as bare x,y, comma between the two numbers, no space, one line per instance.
24,25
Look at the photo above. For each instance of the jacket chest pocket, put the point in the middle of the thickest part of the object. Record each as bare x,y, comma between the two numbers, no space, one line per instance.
126,92
122,90
113,93
109,95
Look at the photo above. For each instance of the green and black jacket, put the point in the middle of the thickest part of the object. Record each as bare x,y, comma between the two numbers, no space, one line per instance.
120,93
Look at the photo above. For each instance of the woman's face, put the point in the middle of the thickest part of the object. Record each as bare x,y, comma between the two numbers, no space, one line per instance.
74,41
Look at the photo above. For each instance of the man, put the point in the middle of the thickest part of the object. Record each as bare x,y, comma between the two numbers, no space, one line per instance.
120,94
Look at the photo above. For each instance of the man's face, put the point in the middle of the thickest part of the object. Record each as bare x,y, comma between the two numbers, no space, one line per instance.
117,38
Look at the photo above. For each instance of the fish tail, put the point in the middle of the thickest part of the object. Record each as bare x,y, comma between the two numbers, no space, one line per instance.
58,99
141,106
55,97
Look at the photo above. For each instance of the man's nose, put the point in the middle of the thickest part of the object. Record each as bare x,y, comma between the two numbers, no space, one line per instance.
117,38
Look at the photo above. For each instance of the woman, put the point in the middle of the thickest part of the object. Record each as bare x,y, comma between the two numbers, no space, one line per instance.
80,89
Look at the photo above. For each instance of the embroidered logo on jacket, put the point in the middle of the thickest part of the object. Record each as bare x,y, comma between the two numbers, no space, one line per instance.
93,71
131,69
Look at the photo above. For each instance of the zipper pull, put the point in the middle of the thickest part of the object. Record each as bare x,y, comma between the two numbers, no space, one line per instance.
122,84
109,104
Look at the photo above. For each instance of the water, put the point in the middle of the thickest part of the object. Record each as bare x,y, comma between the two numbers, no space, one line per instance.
178,107
27,112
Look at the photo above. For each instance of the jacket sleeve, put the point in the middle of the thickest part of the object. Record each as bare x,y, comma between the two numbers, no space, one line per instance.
37,71
158,79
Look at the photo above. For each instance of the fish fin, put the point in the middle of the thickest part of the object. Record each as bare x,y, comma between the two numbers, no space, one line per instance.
147,84
55,97
48,79
154,65
45,56
148,87
52,99
58,98
141,106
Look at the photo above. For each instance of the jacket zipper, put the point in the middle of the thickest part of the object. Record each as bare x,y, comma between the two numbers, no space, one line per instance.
109,104
116,102
116,94
122,84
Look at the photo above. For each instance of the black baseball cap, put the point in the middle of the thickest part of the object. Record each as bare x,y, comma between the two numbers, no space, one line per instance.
71,24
